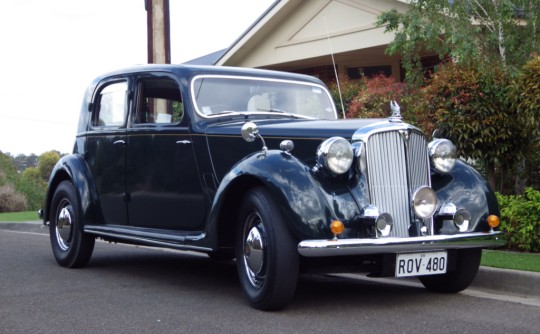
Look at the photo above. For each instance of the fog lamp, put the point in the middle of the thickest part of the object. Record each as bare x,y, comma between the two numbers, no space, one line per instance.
384,224
462,218
493,221
424,202
337,227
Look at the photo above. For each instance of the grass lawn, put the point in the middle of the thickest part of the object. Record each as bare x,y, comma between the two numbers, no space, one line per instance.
490,258
13,217
511,260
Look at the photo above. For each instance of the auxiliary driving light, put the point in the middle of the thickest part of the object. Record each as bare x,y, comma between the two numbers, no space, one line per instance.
493,221
384,224
337,228
462,218
424,202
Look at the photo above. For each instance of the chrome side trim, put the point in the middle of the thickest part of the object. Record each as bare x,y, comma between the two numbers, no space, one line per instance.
147,237
343,247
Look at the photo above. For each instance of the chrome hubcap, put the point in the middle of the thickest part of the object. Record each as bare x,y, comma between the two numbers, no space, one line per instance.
64,225
254,247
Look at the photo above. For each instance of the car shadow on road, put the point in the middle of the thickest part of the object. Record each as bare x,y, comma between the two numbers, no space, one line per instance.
200,274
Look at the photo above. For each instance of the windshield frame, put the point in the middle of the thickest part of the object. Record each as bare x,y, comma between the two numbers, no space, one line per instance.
244,113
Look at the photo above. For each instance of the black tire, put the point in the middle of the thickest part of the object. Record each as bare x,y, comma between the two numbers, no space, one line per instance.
266,253
467,264
71,247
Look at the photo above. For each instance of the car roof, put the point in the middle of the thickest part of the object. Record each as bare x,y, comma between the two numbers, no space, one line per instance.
186,70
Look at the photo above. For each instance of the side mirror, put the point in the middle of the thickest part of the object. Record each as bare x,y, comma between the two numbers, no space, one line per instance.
250,132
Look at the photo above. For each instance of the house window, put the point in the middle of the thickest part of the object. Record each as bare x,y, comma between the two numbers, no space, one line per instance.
368,71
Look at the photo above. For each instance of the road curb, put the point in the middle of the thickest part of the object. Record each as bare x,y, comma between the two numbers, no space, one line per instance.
516,282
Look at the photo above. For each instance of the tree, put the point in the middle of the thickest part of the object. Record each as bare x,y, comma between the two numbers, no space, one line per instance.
487,41
470,32
46,163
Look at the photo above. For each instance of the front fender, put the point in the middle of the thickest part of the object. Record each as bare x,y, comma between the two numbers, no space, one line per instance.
73,168
467,189
307,208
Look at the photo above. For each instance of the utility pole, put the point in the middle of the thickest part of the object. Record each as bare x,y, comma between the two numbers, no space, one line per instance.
158,31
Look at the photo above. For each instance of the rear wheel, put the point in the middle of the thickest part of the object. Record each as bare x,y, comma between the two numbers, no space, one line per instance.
71,246
266,254
467,264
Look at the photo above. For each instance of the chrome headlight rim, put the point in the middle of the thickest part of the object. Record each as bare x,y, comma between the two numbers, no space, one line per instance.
336,155
443,155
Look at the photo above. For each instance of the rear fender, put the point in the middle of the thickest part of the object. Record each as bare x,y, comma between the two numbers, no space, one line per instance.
73,168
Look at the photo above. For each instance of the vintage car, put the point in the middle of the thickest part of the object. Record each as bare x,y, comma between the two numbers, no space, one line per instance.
255,165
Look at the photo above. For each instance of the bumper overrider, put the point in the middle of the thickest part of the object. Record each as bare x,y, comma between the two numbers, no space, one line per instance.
344,247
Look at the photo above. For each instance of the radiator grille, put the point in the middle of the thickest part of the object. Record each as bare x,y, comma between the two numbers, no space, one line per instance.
397,165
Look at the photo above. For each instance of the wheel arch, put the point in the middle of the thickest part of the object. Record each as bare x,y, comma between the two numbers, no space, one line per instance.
74,169
288,181
466,188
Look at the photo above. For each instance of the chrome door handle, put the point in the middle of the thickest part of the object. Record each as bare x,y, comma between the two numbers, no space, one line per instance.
119,142
183,142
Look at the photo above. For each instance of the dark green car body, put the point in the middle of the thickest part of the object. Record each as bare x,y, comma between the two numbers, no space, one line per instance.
178,179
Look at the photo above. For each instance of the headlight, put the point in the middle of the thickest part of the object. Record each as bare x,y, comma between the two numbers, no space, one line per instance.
336,154
424,202
443,155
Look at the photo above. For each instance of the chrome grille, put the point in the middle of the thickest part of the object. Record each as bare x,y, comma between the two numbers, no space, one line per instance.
397,165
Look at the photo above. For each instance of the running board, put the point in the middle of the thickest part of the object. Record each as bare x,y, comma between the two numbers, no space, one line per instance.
149,236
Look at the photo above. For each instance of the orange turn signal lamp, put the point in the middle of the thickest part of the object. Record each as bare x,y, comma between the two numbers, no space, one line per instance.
337,227
493,221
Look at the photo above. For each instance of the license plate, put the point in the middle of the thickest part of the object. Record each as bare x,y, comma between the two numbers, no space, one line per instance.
419,264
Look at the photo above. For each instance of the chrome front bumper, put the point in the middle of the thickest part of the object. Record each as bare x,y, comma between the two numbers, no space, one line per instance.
342,247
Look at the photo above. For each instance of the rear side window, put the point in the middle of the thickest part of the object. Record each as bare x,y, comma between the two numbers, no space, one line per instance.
158,102
111,105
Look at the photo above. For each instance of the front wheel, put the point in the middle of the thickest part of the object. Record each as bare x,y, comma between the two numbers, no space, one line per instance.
71,247
266,254
467,264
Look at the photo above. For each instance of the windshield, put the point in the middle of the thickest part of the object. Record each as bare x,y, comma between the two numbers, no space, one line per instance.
224,95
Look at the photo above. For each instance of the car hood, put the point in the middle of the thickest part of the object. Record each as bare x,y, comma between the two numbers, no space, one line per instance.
226,147
291,129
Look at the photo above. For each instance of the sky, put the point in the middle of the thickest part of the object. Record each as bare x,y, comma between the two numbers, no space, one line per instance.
50,51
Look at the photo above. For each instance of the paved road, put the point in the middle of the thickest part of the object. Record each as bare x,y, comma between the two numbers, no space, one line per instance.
127,289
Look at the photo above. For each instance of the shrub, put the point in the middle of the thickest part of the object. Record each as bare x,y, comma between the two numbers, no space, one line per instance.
374,99
349,90
10,200
521,220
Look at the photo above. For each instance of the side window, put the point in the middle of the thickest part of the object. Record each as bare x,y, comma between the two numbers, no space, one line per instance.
158,102
111,106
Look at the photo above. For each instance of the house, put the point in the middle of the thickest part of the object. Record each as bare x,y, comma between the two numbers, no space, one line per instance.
311,36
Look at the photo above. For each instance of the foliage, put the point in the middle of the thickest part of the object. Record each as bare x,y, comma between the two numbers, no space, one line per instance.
33,185
8,174
10,200
503,32
345,92
46,163
373,100
526,95
470,108
28,187
521,220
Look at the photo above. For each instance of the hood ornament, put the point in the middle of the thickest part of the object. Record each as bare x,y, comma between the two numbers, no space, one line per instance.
396,113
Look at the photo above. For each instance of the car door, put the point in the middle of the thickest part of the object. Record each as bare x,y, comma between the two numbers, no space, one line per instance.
105,148
163,185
